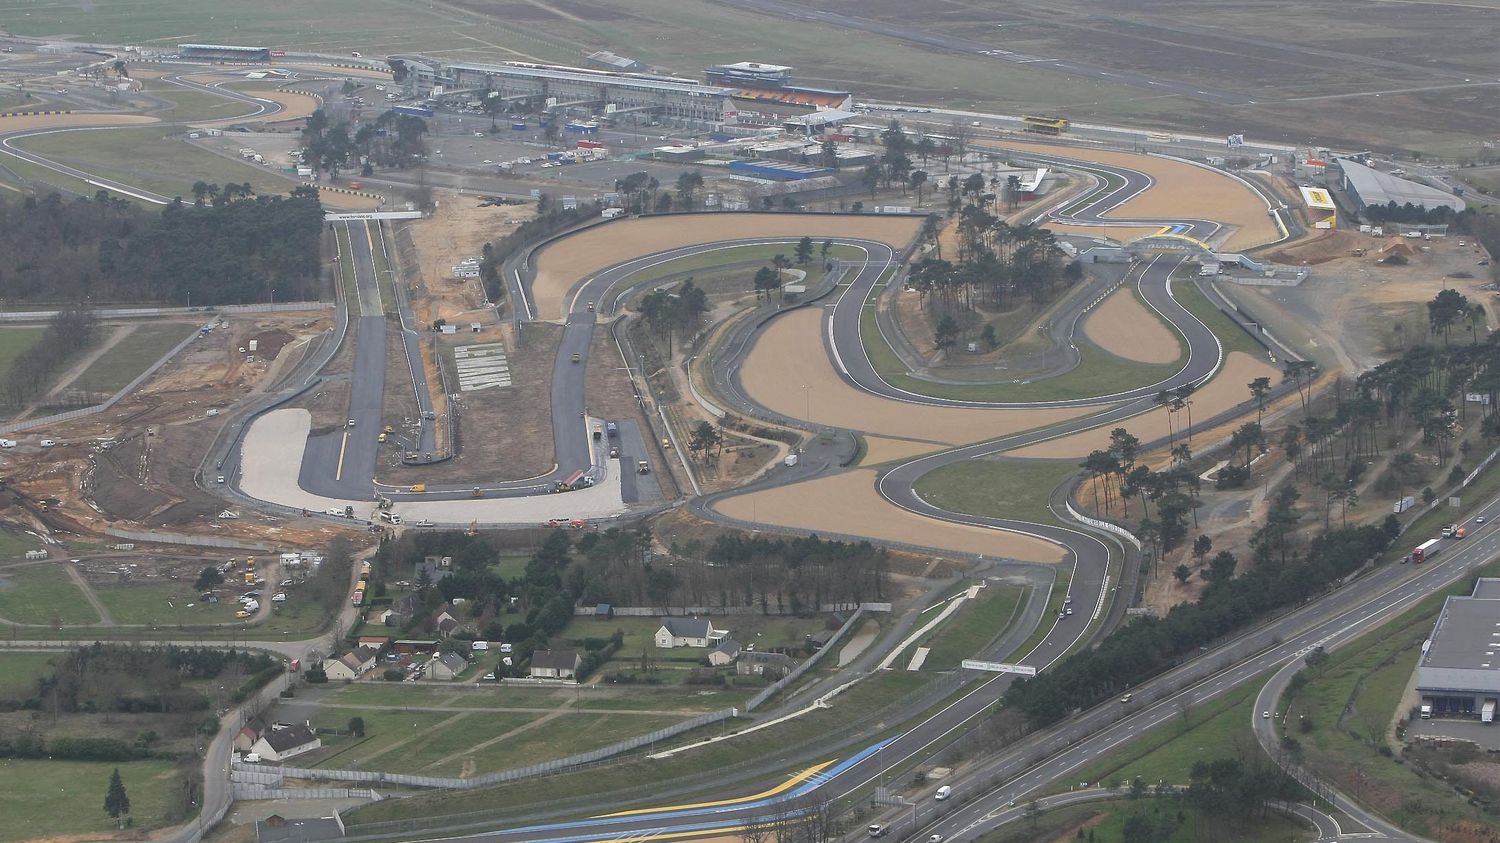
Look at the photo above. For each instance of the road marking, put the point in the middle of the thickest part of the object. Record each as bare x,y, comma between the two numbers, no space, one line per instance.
343,446
790,783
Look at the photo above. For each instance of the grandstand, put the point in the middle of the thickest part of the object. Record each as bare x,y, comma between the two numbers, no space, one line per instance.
1045,125
222,52
567,88
765,93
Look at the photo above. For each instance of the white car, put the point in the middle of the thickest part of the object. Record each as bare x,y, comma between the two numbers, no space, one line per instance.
47,443
212,411
333,510
278,597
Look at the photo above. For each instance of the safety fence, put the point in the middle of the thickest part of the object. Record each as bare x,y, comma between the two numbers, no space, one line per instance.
131,312
183,538
1106,526
544,768
796,673
694,611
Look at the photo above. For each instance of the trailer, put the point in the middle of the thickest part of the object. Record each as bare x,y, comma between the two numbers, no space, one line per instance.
1426,550
575,480
413,110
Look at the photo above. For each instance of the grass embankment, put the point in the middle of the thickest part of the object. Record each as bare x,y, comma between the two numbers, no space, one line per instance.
976,625
997,488
1111,183
42,594
157,604
385,279
1098,372
130,356
344,267
1105,821
42,800
1215,729
190,104
1231,335
150,158
1049,618
15,545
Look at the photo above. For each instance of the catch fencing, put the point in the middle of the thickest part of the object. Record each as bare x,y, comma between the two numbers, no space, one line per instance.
182,538
250,791
787,680
138,312
711,611
542,769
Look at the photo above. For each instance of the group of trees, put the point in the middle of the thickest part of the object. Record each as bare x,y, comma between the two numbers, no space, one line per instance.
392,140
121,678
70,333
1116,472
239,249
1283,574
996,262
674,311
1392,212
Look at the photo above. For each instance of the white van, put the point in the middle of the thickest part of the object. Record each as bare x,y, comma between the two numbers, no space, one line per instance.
7,443
943,793
390,517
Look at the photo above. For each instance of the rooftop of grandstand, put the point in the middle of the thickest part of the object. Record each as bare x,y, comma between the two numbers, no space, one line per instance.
223,48
794,96
582,75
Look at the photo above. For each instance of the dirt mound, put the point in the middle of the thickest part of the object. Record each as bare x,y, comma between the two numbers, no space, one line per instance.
1330,245
270,343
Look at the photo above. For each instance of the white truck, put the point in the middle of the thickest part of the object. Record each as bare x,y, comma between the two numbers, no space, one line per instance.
611,213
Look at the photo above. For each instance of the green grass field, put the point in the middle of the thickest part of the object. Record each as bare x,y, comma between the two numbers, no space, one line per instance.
15,341
131,356
162,604
15,545
765,632
998,488
194,105
47,799
567,734
19,672
1215,729
1098,372
976,625
42,594
510,567
1230,334
150,158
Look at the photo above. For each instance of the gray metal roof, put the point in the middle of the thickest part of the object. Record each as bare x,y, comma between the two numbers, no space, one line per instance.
1379,188
1487,588
1464,651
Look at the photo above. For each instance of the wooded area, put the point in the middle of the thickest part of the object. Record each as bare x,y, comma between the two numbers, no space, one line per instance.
238,250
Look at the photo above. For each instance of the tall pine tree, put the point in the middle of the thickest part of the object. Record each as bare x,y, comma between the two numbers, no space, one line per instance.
116,802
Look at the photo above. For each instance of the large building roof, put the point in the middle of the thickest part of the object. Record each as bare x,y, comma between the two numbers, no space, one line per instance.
1464,651
1379,188
685,86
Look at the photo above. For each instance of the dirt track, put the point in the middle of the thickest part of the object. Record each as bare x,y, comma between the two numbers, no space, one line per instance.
1227,389
847,503
1181,191
789,355
561,266
63,121
1125,327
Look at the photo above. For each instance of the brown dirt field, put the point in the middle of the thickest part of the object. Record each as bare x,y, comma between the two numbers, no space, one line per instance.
561,266
505,433
1125,327
879,449
1181,190
793,344
60,121
457,229
1226,390
847,503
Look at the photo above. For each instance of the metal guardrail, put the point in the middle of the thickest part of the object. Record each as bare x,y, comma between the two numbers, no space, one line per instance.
787,680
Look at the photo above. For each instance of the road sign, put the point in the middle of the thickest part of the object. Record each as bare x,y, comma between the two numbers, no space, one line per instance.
998,667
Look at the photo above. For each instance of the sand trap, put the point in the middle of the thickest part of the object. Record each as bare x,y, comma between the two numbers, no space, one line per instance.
1227,389
879,449
565,263
789,354
1181,191
847,503
1125,327
61,121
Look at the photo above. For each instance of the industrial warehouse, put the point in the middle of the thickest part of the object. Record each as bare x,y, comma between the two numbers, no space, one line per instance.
1459,673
